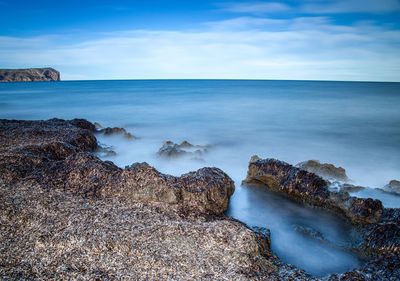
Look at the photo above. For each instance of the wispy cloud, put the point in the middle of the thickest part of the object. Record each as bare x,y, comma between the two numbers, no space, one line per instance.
246,23
352,6
255,7
299,48
314,7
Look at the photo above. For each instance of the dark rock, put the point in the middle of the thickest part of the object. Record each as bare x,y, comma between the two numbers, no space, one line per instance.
378,227
138,165
311,189
324,170
58,235
266,232
57,153
173,150
254,158
385,267
103,151
53,235
392,187
117,131
383,236
310,232
29,74
394,183
84,124
351,188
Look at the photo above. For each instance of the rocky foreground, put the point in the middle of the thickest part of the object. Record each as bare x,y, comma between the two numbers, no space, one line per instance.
66,214
379,227
29,74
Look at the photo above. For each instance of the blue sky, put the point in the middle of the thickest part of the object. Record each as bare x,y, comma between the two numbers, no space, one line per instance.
357,40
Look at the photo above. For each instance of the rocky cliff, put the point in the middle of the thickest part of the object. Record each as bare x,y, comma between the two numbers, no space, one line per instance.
29,74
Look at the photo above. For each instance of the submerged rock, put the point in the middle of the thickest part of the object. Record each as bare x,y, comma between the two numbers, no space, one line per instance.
324,170
105,151
392,187
116,131
310,232
394,184
173,150
351,188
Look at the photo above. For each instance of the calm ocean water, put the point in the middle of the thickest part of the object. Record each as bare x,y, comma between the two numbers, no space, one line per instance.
349,124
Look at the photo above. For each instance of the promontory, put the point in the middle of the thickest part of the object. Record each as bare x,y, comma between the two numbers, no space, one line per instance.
29,74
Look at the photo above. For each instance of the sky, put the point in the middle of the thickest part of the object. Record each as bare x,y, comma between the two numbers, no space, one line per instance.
346,40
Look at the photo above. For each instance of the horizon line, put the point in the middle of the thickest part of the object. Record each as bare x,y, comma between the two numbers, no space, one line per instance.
222,79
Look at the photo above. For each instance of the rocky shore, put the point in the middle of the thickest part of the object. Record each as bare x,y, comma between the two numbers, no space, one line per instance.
66,214
379,227
29,74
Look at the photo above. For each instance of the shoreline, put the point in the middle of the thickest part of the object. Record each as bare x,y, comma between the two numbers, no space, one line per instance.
55,156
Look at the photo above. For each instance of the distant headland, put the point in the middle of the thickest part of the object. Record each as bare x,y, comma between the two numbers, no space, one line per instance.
29,74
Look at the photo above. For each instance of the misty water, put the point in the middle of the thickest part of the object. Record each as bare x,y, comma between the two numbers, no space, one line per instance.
348,124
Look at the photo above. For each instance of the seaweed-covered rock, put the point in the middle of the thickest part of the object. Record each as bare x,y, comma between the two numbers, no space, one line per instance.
57,153
116,131
379,227
173,150
385,267
392,187
48,234
105,151
311,189
350,187
324,170
132,223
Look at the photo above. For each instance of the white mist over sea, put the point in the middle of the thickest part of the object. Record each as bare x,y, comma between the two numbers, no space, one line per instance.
349,124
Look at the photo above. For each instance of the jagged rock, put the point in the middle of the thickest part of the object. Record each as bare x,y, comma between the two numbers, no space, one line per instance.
173,150
324,170
383,236
254,158
351,188
311,189
265,231
29,74
138,165
385,267
58,153
394,183
103,151
392,187
97,125
341,186
378,227
49,232
117,131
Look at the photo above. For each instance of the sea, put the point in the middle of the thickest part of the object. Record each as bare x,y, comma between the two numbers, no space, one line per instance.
354,125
